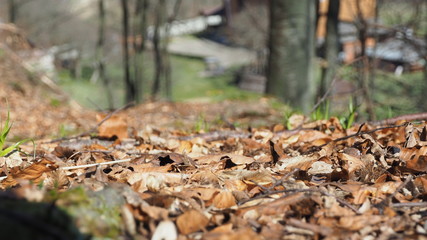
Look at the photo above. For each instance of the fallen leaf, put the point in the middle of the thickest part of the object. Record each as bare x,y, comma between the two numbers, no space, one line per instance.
114,126
191,221
224,199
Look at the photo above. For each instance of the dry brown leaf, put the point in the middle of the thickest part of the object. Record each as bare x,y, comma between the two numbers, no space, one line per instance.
416,159
224,199
157,213
355,223
352,164
114,126
34,172
191,221
302,162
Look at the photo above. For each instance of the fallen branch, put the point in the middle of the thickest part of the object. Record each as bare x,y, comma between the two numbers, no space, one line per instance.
406,117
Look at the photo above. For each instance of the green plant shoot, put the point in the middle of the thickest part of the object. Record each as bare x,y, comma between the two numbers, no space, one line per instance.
3,136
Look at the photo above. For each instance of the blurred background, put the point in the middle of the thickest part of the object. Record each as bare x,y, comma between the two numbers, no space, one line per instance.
325,56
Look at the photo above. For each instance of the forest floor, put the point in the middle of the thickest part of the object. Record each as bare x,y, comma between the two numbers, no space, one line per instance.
228,170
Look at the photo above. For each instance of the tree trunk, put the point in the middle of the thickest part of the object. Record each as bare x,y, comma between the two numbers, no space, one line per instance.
140,34
364,84
331,47
290,74
131,90
12,11
100,54
158,60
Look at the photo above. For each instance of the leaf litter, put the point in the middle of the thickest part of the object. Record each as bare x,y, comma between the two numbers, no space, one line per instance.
317,181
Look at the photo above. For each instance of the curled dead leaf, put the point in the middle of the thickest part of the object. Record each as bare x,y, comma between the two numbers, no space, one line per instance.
34,172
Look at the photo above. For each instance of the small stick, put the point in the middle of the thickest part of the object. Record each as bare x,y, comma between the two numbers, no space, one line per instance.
323,230
409,204
96,164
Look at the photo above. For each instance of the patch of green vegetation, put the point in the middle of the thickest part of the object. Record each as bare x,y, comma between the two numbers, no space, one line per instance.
347,121
187,83
399,95
4,132
87,93
321,112
55,102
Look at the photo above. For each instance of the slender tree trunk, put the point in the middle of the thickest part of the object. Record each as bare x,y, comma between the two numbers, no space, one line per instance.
100,54
129,84
167,63
331,47
12,11
290,74
158,60
140,33
362,27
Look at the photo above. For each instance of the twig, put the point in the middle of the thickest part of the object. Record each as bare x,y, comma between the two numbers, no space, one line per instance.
409,204
406,117
96,164
323,230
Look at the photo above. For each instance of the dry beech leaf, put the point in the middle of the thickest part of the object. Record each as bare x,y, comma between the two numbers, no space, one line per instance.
302,162
13,160
295,121
156,213
191,221
416,159
320,167
225,228
185,147
114,126
312,135
33,172
224,199
352,164
355,223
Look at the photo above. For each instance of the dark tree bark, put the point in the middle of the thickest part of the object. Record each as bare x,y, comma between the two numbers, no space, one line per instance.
291,43
140,34
331,47
165,54
12,10
100,54
160,19
363,65
131,91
